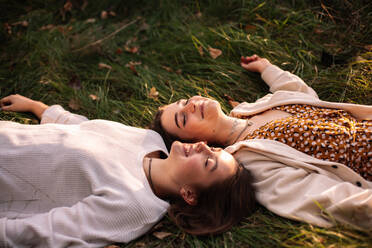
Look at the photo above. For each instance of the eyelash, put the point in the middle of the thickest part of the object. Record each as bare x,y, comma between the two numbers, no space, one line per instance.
184,116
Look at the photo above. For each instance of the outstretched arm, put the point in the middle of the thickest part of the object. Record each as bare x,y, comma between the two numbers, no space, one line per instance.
46,114
18,103
274,77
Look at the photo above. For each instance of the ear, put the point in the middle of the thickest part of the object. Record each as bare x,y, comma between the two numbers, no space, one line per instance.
189,195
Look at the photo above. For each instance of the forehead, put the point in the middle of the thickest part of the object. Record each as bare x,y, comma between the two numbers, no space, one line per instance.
168,117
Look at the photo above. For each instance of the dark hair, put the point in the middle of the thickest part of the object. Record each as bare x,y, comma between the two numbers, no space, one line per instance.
158,127
219,207
169,138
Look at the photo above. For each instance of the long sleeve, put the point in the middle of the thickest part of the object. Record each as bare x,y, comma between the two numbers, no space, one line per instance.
300,187
56,114
278,79
92,222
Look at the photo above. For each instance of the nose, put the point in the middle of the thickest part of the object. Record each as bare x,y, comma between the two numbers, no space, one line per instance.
203,147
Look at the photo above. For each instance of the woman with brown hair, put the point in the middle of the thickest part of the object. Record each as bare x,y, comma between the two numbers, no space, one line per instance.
74,182
299,142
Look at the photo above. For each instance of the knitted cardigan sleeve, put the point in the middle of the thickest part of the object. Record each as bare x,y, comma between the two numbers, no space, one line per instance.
89,223
56,114
278,79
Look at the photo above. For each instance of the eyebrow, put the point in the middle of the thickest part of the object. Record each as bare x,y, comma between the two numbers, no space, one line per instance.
215,165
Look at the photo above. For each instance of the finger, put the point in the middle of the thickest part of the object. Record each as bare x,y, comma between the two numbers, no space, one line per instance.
6,108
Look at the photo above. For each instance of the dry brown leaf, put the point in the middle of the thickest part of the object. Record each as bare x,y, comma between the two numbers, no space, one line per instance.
249,27
67,6
94,97
47,27
104,14
161,235
368,47
214,52
104,66
154,93
8,28
200,50
119,51
133,63
140,244
90,20
74,104
133,49
168,69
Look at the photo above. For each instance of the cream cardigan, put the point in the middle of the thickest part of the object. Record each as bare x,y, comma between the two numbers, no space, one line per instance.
80,185
293,184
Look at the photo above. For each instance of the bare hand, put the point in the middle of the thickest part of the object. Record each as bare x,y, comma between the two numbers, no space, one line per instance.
18,103
254,63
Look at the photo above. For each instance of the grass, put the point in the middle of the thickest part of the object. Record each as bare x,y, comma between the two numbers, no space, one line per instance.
55,57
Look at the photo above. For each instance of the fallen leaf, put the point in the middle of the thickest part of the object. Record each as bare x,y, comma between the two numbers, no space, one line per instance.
74,104
22,23
318,31
90,20
154,95
8,28
104,14
215,53
119,51
200,50
132,66
168,69
199,15
134,63
47,27
368,47
94,97
68,6
140,244
133,49
249,27
104,66
161,235
179,71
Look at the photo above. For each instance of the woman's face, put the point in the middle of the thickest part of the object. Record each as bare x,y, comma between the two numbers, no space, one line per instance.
192,119
197,165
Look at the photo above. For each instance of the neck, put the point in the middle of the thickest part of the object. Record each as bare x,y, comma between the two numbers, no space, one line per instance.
231,130
154,169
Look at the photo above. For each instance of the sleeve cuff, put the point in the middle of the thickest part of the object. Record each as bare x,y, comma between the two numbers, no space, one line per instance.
51,114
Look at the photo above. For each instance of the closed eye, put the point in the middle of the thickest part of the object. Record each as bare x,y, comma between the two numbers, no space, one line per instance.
206,162
184,120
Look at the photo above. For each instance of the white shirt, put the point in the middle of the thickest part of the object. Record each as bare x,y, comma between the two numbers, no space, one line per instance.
79,185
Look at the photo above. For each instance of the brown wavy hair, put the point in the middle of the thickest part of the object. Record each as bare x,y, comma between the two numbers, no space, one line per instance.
219,207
